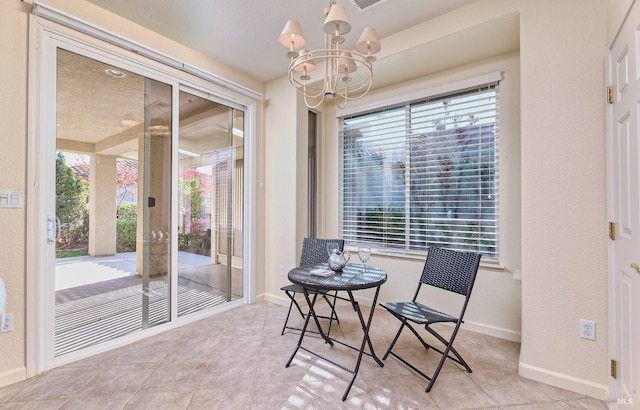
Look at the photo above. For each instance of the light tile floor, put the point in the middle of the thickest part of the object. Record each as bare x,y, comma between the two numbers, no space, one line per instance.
236,360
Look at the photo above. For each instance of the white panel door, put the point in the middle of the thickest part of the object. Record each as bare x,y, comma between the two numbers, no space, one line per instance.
624,191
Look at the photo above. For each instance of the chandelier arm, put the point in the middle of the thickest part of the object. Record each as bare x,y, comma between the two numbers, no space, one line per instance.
331,68
356,91
305,89
309,105
346,94
301,88
312,96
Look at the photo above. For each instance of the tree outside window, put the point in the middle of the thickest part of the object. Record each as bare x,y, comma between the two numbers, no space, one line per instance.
195,213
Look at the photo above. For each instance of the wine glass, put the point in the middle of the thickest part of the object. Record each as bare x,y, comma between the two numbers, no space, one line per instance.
364,253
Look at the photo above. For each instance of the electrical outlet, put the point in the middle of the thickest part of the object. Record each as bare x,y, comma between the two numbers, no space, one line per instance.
6,325
587,329
282,271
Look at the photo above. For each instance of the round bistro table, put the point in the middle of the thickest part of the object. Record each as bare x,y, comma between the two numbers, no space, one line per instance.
351,278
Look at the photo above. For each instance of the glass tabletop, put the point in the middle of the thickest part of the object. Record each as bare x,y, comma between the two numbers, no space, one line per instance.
352,277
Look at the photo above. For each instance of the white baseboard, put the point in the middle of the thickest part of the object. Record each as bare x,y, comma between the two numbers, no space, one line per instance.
498,332
564,381
277,299
13,376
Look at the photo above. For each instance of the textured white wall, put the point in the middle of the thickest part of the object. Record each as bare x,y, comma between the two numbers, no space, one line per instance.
616,11
281,184
564,238
13,83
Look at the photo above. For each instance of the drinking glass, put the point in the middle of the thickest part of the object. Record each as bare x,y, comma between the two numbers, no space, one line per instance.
364,253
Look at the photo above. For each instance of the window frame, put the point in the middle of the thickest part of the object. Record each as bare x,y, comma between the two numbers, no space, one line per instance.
407,100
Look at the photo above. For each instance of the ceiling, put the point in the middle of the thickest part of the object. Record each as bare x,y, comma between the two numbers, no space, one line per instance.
101,113
243,34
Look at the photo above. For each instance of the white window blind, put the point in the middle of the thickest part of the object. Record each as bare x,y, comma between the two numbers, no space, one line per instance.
423,174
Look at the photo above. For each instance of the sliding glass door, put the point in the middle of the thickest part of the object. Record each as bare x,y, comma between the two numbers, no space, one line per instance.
148,226
113,202
210,197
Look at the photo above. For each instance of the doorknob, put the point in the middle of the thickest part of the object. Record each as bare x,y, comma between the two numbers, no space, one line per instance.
636,267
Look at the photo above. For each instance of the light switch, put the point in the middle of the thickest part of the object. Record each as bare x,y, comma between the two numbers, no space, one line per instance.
10,199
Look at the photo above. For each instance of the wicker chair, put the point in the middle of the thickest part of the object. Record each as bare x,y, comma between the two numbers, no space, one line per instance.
453,271
314,251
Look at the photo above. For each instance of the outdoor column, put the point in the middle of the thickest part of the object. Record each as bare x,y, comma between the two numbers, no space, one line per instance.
159,169
102,205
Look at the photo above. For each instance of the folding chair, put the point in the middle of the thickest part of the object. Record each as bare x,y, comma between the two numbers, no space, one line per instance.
314,251
453,271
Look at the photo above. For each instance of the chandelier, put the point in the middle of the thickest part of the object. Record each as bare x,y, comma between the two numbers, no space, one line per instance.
347,73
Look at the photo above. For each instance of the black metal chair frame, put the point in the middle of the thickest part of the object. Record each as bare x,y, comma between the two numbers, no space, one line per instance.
450,270
314,251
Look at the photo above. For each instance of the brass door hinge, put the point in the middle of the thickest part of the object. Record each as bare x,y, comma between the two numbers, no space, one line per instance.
614,369
610,96
612,231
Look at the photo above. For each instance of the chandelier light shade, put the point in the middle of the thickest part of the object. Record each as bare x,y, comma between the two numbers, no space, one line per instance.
291,37
346,74
337,22
368,43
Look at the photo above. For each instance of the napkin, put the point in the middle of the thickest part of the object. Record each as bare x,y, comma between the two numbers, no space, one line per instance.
322,272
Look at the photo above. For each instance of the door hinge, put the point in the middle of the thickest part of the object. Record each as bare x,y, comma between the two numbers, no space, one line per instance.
612,231
614,369
610,96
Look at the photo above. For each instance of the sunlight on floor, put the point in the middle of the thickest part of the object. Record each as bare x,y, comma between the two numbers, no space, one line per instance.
78,273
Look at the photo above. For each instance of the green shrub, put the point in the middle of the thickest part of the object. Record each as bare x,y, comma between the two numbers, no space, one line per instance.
127,210
126,235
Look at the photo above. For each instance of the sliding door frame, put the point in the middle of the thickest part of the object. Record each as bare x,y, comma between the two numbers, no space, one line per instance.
45,37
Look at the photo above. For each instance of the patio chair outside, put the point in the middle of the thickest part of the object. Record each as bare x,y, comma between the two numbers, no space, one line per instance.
314,251
453,271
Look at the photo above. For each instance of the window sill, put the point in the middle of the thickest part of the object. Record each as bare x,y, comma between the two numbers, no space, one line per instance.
485,263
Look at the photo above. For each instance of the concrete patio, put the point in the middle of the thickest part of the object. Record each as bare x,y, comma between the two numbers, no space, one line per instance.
99,299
